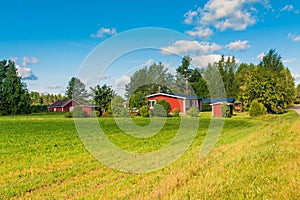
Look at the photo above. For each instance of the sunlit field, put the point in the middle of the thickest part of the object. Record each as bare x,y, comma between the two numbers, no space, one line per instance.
42,156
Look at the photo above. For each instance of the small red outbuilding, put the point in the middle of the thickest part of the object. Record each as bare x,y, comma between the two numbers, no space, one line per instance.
177,101
63,105
68,106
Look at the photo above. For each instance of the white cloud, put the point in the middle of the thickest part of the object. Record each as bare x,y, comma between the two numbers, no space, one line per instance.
296,76
289,60
25,73
27,60
202,61
238,45
119,86
104,77
186,46
260,56
294,37
149,62
223,15
55,87
200,32
190,17
288,8
104,31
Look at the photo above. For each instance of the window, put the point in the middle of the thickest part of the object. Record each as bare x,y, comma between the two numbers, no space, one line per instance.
151,103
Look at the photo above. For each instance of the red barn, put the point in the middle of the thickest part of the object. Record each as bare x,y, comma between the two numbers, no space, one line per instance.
177,101
63,105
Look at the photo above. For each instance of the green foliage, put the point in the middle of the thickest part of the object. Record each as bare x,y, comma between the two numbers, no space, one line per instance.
144,111
39,108
137,100
159,111
14,96
257,108
103,96
78,112
37,99
214,82
193,112
150,80
117,107
206,107
270,83
95,113
166,105
76,90
68,115
225,109
175,112
227,71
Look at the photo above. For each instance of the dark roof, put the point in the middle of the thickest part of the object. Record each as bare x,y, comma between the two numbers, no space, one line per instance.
216,100
180,96
60,103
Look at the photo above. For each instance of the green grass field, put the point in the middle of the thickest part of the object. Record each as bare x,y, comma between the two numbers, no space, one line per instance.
42,157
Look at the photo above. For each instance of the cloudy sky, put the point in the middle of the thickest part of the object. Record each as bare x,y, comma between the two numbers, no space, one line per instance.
50,40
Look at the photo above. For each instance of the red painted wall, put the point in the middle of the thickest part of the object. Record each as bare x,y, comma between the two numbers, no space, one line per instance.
174,102
87,109
217,112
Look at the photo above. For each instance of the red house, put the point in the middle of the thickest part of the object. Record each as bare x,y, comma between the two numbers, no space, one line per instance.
68,105
63,105
177,101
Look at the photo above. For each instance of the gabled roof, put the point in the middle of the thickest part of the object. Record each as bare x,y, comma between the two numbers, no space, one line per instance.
178,96
61,103
218,100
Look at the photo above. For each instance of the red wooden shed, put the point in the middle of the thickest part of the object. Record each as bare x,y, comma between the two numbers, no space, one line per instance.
177,101
63,105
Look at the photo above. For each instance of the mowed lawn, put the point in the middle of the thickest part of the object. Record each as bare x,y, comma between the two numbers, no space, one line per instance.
42,157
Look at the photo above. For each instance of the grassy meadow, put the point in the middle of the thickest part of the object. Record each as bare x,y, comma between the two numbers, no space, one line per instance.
42,157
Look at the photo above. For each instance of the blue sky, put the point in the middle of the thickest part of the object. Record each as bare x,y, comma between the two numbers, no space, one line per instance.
50,40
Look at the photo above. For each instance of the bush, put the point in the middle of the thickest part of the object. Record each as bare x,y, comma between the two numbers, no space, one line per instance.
68,114
206,107
225,109
144,111
78,112
159,111
257,108
193,112
95,113
175,112
166,105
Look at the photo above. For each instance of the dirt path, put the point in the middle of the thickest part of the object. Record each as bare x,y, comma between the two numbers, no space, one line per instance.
296,108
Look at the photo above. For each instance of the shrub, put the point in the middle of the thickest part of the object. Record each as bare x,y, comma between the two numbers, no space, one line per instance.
175,112
225,110
95,113
68,114
257,108
144,111
159,111
193,112
206,107
166,105
106,114
78,112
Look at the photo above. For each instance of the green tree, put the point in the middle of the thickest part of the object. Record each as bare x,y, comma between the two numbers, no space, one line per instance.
76,90
227,71
214,82
117,107
137,100
15,98
270,83
150,80
103,96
